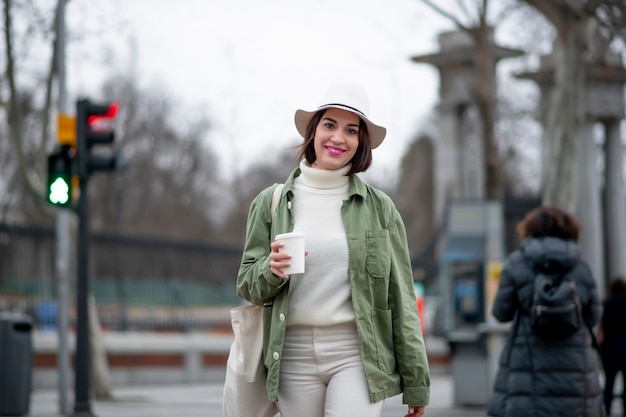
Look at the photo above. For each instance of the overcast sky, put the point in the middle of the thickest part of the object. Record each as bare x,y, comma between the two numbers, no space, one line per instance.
250,64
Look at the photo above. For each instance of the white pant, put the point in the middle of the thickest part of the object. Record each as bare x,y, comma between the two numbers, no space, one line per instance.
321,374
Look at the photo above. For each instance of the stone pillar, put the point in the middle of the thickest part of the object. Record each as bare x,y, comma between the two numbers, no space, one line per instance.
447,159
615,212
589,206
472,161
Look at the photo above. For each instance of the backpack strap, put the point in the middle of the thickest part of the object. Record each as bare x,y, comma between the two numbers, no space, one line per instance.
594,339
513,333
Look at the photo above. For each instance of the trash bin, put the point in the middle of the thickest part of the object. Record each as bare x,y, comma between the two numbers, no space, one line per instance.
16,363
469,364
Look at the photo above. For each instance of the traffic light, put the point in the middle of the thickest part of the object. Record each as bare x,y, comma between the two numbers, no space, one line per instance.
94,127
60,168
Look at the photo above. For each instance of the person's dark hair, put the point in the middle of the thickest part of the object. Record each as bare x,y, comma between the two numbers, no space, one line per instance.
549,221
618,286
362,158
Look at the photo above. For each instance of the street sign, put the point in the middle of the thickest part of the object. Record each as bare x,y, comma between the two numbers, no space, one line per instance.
66,130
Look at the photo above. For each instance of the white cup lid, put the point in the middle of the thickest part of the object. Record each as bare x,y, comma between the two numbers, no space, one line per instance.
289,235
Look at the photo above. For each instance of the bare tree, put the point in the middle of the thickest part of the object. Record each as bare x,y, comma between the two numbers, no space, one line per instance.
26,112
170,185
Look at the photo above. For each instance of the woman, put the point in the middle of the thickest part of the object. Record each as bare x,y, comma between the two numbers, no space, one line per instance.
613,344
345,334
537,376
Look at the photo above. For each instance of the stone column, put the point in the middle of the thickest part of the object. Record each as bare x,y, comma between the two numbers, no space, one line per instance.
446,158
615,210
589,206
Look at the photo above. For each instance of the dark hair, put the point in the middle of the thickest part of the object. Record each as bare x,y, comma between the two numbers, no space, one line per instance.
549,221
361,160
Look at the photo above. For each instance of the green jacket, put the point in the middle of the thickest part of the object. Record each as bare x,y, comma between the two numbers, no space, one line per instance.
390,335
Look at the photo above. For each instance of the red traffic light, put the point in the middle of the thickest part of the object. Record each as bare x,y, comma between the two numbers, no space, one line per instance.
106,116
94,127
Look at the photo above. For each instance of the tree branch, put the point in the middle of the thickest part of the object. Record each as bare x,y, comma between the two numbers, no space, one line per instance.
483,12
503,14
611,14
551,9
464,9
484,8
15,116
41,152
445,14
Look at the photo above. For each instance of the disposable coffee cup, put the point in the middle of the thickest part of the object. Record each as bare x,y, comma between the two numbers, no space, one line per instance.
293,244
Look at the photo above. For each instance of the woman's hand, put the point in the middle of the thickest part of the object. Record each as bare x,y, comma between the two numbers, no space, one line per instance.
416,411
278,260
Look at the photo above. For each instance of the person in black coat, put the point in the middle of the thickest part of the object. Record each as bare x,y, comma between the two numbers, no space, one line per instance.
613,340
538,377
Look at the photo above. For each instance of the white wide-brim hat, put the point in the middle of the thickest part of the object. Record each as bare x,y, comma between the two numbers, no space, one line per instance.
346,97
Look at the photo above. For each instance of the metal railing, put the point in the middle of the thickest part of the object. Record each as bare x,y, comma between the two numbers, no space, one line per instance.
139,283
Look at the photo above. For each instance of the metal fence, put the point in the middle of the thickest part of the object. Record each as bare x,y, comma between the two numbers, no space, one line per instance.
139,283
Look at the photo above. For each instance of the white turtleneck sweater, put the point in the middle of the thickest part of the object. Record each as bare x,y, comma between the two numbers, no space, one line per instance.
321,296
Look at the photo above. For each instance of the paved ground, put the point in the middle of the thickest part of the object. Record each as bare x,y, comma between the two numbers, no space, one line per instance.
206,401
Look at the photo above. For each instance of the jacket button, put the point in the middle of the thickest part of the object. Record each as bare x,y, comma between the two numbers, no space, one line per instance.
282,317
276,355
289,205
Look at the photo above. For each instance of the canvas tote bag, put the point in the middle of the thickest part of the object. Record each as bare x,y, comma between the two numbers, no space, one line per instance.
244,387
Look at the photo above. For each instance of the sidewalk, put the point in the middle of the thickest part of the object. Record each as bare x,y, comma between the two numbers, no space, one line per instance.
205,400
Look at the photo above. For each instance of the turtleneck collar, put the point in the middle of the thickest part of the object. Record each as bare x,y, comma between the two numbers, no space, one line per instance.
323,178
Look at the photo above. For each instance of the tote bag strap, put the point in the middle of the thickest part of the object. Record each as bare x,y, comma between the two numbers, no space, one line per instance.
275,197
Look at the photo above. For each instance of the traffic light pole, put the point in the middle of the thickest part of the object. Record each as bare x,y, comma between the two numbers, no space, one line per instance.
82,400
89,133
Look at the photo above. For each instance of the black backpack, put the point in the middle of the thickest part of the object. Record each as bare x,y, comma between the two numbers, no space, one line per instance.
556,310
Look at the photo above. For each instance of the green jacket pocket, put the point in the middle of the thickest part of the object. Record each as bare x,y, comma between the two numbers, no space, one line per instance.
378,257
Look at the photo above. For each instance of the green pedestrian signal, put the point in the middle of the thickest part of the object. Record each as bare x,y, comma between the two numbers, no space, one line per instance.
59,192
60,170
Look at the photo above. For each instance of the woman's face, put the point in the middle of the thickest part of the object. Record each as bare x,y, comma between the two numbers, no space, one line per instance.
336,139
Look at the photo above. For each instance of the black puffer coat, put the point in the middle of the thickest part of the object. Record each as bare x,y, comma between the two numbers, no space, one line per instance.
538,378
